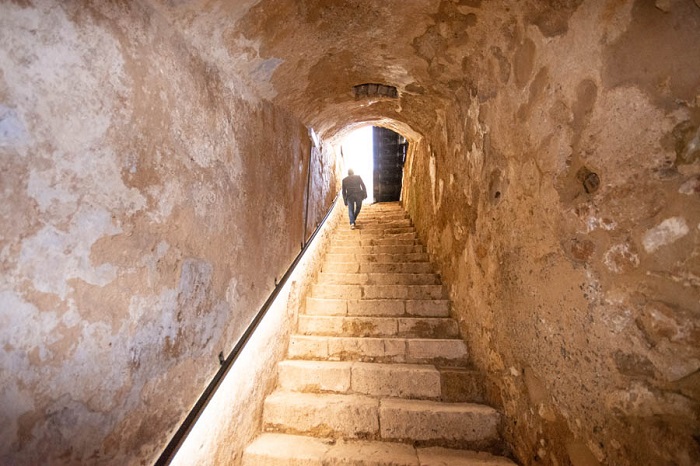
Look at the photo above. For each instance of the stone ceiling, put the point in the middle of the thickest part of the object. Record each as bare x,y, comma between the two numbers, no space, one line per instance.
307,56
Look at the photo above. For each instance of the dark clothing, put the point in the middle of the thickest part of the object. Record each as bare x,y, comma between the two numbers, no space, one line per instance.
354,192
353,188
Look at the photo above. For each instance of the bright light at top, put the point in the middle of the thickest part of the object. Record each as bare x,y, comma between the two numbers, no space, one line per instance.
358,154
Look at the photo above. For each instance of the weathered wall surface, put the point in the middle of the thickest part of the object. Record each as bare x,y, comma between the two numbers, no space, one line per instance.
233,417
146,211
562,202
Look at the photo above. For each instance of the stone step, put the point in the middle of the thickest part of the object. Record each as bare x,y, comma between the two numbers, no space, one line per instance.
364,417
448,352
383,216
273,449
385,223
322,415
377,307
378,267
368,242
361,241
453,384
344,232
378,258
326,278
378,291
400,238
417,381
442,423
407,327
396,249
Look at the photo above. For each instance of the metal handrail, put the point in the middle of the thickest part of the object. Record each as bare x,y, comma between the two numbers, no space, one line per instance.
226,364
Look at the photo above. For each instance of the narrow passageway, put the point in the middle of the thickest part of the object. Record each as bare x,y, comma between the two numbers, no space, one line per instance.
376,369
162,163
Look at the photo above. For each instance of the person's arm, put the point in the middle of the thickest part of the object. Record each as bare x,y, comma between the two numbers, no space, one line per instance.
364,189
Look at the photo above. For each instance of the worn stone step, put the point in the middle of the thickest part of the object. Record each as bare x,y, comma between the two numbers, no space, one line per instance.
365,417
398,240
417,381
378,267
273,449
326,278
377,307
345,232
350,416
446,423
400,249
451,352
378,258
408,327
388,223
378,291
452,384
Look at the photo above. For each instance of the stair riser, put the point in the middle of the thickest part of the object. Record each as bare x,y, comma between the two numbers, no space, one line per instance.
403,422
373,267
377,258
378,308
452,385
377,249
356,419
384,350
388,232
375,225
361,417
378,291
291,450
377,279
378,327
408,381
356,242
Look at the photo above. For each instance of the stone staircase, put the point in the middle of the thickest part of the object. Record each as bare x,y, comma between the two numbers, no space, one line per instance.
376,373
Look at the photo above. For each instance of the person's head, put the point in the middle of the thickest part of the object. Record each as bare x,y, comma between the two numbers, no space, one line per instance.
351,172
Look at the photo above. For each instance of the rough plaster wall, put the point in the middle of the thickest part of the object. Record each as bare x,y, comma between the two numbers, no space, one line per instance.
146,211
234,416
562,203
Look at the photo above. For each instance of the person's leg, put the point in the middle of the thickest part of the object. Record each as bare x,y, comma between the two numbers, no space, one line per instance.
358,207
351,210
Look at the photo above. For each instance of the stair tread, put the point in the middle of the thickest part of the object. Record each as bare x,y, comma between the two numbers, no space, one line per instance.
275,449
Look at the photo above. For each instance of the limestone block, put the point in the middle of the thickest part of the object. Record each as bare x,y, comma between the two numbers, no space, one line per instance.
396,267
377,307
403,279
315,376
389,258
363,349
348,326
321,414
383,249
433,308
324,306
337,291
423,350
343,278
432,420
331,257
396,380
285,450
310,347
443,456
368,453
403,292
341,267
426,327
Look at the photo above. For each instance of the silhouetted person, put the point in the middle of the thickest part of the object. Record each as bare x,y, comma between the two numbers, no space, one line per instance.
354,192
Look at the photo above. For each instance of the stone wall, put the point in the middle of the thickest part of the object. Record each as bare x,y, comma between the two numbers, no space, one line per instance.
147,209
561,201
